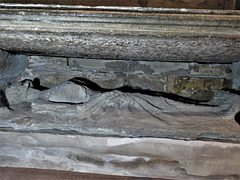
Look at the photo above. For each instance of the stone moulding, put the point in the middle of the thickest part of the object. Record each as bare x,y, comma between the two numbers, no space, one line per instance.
152,34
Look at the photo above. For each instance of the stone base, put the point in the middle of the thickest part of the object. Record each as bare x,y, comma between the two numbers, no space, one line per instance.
141,157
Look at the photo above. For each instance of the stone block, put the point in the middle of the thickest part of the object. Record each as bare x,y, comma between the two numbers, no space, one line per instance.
51,78
148,82
49,70
45,63
220,70
105,80
98,65
199,88
154,67
236,75
139,157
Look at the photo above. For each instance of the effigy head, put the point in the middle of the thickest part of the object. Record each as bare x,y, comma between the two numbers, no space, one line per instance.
12,68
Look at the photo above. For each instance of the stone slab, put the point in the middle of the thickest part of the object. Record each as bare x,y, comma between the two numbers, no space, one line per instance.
148,67
98,65
40,174
211,70
47,63
141,157
163,68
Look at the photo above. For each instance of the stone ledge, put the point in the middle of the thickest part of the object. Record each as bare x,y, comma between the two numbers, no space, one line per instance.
210,36
141,157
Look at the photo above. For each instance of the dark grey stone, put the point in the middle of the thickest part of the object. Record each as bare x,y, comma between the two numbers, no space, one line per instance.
12,68
236,75
98,65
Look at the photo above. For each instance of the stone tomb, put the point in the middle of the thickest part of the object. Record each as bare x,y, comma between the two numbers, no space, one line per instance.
147,92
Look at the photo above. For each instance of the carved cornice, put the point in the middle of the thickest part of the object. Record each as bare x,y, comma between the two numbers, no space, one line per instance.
121,32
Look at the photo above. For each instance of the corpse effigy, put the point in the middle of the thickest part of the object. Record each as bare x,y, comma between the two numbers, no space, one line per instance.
135,91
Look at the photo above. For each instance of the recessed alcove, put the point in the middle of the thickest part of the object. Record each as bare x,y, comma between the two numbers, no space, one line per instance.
134,88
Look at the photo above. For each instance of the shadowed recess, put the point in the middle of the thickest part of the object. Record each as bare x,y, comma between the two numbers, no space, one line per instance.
237,118
129,89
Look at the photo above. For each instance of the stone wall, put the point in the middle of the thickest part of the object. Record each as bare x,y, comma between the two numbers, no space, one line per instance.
193,80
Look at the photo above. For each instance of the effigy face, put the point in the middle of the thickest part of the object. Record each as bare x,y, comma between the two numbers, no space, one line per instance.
138,88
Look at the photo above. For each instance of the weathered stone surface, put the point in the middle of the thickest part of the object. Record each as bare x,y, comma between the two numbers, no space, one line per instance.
12,68
196,87
47,63
129,115
145,157
137,34
123,134
105,80
192,80
49,70
148,82
98,65
140,48
219,70
68,92
150,67
163,68
22,93
236,75
129,67
50,79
